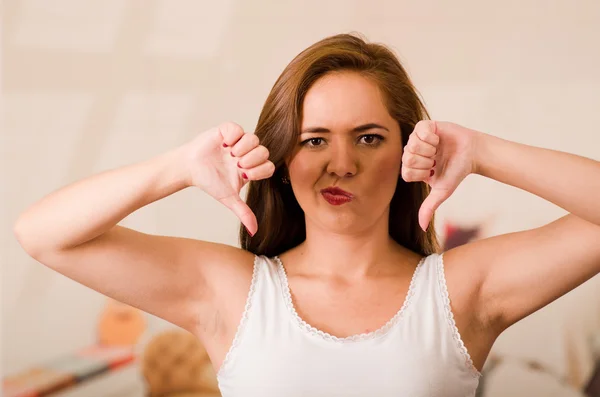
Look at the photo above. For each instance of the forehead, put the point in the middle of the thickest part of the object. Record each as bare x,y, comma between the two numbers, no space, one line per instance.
343,99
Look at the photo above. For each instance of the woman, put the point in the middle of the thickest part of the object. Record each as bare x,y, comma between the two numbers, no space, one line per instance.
339,287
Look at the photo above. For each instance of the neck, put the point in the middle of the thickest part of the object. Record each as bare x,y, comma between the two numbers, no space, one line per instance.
367,252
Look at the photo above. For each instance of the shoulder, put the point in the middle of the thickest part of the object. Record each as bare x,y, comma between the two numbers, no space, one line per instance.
231,270
462,276
220,263
464,282
227,273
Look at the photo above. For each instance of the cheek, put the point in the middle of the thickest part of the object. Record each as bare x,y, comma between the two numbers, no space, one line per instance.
387,169
303,170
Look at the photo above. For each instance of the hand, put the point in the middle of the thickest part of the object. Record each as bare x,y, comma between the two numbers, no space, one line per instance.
222,160
441,154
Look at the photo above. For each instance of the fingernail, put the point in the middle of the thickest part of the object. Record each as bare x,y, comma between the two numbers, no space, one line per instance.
431,173
244,175
232,155
239,166
251,235
224,144
434,163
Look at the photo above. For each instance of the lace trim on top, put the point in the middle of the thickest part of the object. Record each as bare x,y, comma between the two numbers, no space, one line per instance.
242,323
450,317
352,338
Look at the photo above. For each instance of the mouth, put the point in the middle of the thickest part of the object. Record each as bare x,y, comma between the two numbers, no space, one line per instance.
336,196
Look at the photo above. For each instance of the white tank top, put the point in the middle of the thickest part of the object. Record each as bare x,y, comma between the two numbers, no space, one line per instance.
418,353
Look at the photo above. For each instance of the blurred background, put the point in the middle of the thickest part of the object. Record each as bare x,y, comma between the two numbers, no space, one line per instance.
90,85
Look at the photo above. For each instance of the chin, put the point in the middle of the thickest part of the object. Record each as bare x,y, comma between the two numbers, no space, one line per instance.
341,223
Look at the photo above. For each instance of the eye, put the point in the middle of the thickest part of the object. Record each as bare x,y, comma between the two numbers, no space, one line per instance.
371,139
312,142
368,139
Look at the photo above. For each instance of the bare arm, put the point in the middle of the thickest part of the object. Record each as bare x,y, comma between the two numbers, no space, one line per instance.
521,272
74,231
84,210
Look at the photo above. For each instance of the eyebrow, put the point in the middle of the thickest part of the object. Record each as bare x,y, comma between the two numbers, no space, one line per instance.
360,128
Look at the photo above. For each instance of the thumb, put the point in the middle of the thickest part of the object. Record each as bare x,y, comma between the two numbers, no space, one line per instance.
435,198
243,212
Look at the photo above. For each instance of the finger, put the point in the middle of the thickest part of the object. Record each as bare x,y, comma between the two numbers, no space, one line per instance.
435,198
414,175
246,143
416,161
242,212
262,171
231,133
416,146
254,158
426,130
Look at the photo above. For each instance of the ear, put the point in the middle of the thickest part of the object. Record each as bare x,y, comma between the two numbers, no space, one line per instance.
286,167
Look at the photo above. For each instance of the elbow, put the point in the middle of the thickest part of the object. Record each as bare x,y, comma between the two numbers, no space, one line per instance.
19,231
23,236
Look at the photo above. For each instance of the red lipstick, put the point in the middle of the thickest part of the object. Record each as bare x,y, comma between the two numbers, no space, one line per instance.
336,196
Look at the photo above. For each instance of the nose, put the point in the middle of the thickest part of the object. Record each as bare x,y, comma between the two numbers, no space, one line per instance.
343,160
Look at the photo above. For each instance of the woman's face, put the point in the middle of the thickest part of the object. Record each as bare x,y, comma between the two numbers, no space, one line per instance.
347,140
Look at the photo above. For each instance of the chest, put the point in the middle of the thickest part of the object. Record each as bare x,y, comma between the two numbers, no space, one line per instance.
342,309
373,370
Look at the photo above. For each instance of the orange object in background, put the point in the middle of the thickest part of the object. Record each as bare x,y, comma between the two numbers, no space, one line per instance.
36,382
120,325
67,371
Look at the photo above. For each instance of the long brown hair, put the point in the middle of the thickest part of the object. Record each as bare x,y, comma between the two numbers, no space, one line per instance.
280,219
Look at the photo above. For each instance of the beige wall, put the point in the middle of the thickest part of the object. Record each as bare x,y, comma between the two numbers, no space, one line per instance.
95,84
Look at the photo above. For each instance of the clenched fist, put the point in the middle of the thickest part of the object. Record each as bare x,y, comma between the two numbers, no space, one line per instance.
441,154
222,160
